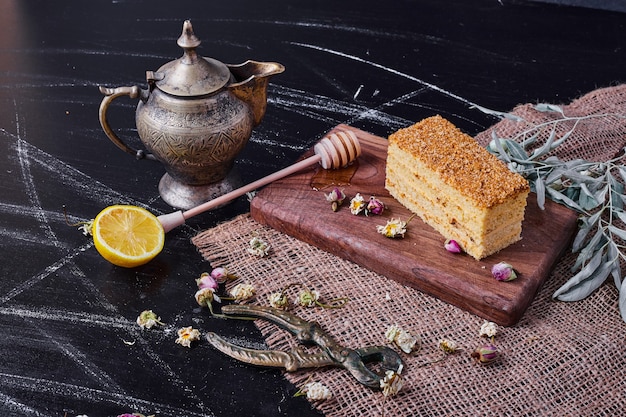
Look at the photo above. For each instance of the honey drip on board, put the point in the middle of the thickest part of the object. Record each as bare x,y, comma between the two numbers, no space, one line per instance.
325,178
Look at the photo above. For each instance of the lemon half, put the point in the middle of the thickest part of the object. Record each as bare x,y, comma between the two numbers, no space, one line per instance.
127,236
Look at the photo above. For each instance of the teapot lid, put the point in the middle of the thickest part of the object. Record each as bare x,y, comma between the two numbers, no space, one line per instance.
191,74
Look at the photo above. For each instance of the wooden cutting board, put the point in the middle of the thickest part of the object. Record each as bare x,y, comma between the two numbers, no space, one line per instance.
294,206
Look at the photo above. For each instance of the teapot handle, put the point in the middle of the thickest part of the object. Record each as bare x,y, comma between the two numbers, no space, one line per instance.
111,94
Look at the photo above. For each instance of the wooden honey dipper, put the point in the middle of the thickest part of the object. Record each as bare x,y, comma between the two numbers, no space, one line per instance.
334,151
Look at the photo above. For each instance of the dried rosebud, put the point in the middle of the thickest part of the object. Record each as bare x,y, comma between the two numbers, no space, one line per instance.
448,346
221,274
503,272
394,228
259,247
452,246
186,335
242,292
279,300
335,198
485,354
392,383
148,319
488,329
357,204
316,391
375,206
308,298
207,281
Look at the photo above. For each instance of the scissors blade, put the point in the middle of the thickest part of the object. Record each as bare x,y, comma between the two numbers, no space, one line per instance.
291,361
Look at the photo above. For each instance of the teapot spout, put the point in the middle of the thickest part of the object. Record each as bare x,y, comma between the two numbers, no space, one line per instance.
250,85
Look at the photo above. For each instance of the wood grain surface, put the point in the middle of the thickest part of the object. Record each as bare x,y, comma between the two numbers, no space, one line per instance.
293,206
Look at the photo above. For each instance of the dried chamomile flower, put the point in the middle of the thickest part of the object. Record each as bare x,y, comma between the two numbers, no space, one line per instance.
357,204
316,391
485,354
259,247
394,228
242,292
86,227
448,346
148,319
308,298
452,246
403,339
488,329
335,198
503,271
392,383
205,296
279,300
186,335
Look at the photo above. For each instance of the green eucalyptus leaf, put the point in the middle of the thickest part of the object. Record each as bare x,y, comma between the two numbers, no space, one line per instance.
616,270
496,113
583,231
617,231
590,249
621,215
622,300
582,288
540,189
584,274
546,107
617,192
545,148
586,199
558,196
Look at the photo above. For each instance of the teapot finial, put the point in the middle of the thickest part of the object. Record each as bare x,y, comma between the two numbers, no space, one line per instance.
189,42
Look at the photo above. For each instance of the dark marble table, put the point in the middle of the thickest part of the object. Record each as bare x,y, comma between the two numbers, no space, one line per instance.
69,341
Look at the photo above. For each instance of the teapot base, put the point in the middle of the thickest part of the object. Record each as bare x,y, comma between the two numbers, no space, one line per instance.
184,196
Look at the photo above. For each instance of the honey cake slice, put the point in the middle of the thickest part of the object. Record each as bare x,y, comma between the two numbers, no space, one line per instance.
456,186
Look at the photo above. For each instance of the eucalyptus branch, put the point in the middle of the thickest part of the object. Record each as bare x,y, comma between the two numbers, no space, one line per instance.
593,189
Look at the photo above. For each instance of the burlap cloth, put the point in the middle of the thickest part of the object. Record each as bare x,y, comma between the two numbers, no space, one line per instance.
565,359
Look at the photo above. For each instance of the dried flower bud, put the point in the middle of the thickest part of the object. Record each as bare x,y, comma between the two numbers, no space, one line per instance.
488,329
308,298
452,246
357,204
403,339
394,228
259,247
335,198
392,383
148,319
448,346
242,292
207,281
205,296
375,206
485,354
279,300
503,272
221,275
316,391
186,335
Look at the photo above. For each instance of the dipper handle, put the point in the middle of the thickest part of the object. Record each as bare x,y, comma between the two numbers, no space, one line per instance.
332,152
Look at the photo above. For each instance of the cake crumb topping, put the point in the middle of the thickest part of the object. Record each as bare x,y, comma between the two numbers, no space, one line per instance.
460,161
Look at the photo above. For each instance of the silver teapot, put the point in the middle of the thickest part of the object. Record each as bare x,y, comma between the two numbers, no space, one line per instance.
195,117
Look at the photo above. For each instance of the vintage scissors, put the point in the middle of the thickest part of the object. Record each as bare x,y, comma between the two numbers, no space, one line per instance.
309,333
